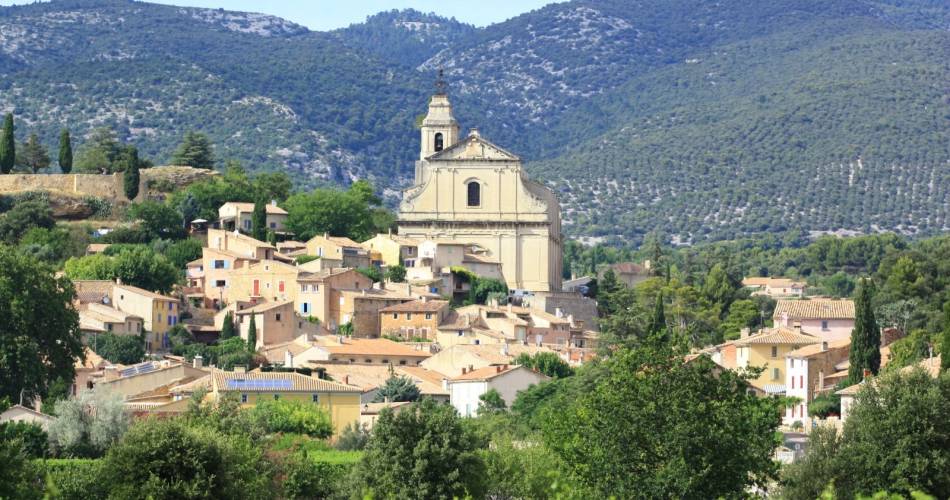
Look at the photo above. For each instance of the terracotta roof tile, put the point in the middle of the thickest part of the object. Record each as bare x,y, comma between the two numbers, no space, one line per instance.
416,306
815,309
814,349
374,347
780,335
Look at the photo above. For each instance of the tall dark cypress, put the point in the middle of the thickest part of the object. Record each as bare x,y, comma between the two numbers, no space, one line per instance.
259,220
866,336
7,145
65,151
131,181
252,335
658,321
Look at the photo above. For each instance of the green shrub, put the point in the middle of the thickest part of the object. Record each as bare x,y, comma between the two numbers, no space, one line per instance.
320,475
303,259
73,478
293,417
31,436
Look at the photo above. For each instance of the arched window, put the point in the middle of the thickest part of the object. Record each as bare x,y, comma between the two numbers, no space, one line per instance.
474,194
438,141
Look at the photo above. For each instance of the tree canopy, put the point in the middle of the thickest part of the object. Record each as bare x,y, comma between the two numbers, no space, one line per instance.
40,339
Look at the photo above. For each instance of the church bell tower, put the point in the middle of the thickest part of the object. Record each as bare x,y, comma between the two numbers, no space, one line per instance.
439,128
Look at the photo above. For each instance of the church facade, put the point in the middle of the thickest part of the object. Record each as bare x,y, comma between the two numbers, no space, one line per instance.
470,191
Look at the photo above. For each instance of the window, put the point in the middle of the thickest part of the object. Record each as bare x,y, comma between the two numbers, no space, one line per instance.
247,223
320,252
303,288
824,325
171,306
305,307
801,381
385,361
280,286
109,327
474,194
439,141
244,398
428,315
219,264
775,373
367,360
395,315
402,361
315,398
408,316
273,225
220,283
774,351
277,316
410,250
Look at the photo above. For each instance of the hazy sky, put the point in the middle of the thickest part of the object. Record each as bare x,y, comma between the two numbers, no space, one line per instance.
322,15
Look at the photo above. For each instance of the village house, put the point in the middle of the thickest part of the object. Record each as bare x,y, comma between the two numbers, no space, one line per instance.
775,287
227,251
418,318
20,413
96,318
159,312
394,250
452,360
369,413
351,253
768,349
236,215
630,273
340,401
134,380
274,322
829,319
297,353
360,308
805,372
371,352
849,394
466,389
369,378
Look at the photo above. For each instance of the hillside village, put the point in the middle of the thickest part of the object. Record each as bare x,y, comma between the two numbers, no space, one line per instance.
208,330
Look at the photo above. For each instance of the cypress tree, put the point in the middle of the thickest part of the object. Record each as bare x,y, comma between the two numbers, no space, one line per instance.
252,335
7,145
658,321
131,180
227,330
259,220
866,337
65,151
944,343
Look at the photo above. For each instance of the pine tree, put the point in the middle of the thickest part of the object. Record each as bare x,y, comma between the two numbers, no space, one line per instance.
32,155
227,330
131,181
65,151
7,145
252,335
259,220
195,151
866,337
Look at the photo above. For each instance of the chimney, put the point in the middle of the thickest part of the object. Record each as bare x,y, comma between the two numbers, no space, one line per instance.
363,292
239,369
558,312
471,368
326,235
288,358
504,349
498,368
118,281
346,379
339,338
445,384
464,370
273,203
744,332
647,264
425,298
390,232
197,362
824,345
784,319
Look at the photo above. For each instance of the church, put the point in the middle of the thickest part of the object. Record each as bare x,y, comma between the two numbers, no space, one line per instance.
470,191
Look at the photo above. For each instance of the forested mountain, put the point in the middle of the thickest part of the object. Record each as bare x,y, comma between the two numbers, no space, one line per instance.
700,119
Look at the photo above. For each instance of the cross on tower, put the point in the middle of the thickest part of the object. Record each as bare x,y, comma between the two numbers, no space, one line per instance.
440,83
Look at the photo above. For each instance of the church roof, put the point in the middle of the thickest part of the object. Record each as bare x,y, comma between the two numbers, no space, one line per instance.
467,149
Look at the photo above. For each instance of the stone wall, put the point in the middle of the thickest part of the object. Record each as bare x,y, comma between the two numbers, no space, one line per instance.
101,186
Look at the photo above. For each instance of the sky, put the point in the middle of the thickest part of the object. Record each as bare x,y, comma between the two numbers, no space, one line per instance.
323,15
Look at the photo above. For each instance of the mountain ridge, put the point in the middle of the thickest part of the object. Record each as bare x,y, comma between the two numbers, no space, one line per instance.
721,101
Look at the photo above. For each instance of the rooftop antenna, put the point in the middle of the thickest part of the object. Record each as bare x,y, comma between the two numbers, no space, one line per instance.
440,83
